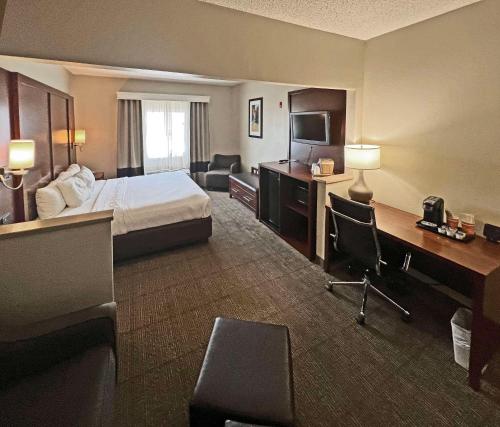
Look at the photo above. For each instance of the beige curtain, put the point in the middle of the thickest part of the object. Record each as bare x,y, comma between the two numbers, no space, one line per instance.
130,151
200,141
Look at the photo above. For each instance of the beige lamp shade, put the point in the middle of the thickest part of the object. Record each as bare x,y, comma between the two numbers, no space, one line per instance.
79,137
362,156
21,154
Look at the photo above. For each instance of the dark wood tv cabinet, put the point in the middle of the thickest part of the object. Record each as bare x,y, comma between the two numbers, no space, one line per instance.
288,204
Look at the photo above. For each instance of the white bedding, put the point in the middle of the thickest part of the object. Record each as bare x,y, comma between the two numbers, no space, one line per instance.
147,201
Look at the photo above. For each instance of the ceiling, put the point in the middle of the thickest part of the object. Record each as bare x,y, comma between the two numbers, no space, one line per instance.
361,19
133,73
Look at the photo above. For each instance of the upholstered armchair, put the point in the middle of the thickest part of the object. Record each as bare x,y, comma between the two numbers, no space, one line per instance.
60,371
219,170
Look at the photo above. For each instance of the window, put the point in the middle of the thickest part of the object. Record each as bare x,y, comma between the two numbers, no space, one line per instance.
165,135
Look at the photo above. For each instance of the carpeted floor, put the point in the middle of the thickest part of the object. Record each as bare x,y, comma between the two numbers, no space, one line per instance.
385,373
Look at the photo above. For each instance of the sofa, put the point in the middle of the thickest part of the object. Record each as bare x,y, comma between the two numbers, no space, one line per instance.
219,169
60,371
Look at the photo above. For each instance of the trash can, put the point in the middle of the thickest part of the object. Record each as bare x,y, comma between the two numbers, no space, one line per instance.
461,324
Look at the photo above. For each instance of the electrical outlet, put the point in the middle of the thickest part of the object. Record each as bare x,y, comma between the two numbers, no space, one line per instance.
5,218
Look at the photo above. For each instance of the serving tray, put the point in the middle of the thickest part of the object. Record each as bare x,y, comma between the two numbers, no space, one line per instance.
466,239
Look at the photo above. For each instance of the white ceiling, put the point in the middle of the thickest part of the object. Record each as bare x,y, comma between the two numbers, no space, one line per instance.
133,73
361,19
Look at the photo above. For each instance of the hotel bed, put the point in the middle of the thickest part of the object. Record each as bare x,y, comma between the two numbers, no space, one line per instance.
151,213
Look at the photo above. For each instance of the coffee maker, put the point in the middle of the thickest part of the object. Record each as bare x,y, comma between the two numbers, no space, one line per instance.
433,211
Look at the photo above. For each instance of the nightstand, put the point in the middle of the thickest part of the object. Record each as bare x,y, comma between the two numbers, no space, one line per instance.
98,175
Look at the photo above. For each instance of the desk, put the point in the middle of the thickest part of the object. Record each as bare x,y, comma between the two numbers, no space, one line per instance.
476,263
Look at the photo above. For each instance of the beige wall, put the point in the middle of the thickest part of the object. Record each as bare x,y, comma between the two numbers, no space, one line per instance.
274,144
96,112
180,35
52,75
432,101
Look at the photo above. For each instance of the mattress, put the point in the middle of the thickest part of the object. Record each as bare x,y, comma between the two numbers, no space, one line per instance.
147,201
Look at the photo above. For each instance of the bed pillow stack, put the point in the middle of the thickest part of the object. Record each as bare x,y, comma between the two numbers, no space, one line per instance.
49,200
77,188
71,188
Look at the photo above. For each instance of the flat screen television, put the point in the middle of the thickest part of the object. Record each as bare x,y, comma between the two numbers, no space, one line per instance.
312,127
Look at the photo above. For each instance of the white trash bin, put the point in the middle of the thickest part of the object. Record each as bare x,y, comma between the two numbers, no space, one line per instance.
461,324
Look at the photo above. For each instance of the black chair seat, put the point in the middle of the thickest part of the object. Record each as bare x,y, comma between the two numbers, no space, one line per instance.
75,392
246,376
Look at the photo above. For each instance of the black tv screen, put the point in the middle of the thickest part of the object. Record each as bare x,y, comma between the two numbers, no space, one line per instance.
311,127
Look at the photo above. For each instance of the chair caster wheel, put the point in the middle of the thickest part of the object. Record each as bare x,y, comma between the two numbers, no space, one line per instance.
360,319
329,287
406,317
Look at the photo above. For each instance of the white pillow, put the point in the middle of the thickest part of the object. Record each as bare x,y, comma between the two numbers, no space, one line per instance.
49,201
74,190
68,173
87,176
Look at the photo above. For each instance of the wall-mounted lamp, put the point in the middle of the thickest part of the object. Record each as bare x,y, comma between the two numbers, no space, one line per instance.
79,138
21,157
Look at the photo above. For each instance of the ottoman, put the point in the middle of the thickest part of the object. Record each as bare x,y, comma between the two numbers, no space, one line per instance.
246,376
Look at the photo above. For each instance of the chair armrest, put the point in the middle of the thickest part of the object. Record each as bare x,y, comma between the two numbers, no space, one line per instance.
235,167
50,342
212,166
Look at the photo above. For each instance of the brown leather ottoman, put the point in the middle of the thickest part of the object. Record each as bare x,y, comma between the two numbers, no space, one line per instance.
246,376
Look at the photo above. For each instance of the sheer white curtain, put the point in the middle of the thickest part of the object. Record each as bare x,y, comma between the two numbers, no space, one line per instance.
165,127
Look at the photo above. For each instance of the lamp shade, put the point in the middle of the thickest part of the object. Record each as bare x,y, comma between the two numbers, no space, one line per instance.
79,137
21,154
362,156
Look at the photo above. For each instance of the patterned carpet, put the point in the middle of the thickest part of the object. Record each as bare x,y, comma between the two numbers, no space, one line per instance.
386,373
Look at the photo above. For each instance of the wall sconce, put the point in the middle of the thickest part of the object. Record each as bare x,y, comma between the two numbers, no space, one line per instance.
21,157
79,138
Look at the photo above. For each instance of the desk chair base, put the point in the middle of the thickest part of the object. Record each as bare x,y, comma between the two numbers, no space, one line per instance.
360,318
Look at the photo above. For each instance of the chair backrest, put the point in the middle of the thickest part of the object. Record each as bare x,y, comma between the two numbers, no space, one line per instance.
355,231
225,161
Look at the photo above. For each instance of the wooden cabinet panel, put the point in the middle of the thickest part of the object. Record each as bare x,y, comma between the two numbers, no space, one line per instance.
6,196
34,124
60,133
26,113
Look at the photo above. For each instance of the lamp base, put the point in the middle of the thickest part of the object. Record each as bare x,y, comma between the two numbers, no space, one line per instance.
359,191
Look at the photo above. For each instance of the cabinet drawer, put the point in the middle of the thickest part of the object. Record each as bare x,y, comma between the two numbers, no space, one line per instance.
236,189
247,200
243,194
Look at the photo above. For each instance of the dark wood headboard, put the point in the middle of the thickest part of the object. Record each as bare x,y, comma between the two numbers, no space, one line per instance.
39,112
320,100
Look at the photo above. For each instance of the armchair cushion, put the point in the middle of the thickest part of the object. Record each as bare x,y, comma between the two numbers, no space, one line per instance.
222,161
235,167
60,371
34,348
219,169
78,391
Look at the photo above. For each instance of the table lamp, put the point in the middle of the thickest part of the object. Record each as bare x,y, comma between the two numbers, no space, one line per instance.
21,157
361,157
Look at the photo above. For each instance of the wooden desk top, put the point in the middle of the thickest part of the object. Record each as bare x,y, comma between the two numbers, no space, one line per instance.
479,255
295,170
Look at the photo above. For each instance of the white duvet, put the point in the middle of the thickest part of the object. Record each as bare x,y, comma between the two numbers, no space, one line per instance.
147,201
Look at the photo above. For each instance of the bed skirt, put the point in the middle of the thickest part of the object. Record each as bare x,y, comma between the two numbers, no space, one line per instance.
150,240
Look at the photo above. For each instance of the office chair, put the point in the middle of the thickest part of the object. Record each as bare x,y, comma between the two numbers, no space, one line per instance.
355,234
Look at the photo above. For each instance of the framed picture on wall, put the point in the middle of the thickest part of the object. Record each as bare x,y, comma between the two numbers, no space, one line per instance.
255,117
